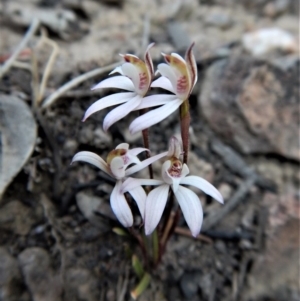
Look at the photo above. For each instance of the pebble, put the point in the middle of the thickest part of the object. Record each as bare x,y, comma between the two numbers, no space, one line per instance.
10,277
189,285
18,218
39,276
266,40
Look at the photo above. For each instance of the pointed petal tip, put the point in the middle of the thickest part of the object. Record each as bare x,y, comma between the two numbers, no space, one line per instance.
147,232
195,234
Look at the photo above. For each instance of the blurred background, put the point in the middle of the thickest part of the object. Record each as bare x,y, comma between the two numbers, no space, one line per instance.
56,239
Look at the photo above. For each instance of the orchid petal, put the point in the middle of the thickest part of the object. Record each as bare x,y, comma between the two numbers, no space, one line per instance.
148,60
154,116
168,72
137,150
106,102
144,164
203,185
120,112
117,70
179,57
164,83
123,146
191,209
164,172
155,100
132,183
155,205
175,184
139,195
93,159
191,64
175,149
117,167
130,159
185,171
120,206
120,82
132,72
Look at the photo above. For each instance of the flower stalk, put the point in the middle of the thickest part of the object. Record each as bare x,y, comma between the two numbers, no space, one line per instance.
185,120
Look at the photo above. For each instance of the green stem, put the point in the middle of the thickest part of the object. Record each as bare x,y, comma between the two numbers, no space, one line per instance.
155,246
141,287
137,266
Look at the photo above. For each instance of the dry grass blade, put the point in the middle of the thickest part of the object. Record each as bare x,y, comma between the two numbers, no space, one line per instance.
75,82
55,49
31,31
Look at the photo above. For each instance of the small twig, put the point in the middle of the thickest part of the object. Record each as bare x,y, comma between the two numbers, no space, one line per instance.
124,286
243,189
237,164
167,228
34,81
29,34
186,232
262,220
55,49
21,65
75,82
241,276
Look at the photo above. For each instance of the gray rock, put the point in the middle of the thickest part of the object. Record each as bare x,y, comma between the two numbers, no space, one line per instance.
189,285
253,106
220,20
18,218
10,277
89,205
40,278
81,285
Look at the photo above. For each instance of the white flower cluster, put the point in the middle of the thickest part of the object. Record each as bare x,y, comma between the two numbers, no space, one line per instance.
179,77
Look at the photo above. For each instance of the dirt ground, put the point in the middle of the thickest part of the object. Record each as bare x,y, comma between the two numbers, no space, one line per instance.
56,238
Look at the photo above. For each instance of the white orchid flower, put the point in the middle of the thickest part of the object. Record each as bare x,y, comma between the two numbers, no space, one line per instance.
174,175
179,76
116,167
136,77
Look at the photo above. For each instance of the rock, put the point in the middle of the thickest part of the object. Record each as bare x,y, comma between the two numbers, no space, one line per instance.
282,208
189,285
253,106
61,21
206,285
81,285
102,139
225,190
89,205
18,218
200,168
275,8
220,20
179,36
40,279
10,277
279,277
265,40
